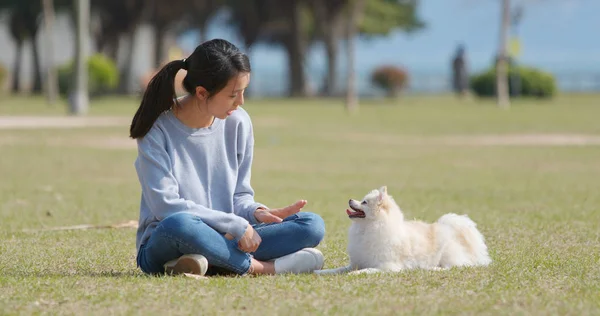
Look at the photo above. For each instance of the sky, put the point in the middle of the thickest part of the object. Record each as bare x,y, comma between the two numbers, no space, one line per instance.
558,35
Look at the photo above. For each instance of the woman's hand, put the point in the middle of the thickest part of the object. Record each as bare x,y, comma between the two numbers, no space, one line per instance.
250,240
277,215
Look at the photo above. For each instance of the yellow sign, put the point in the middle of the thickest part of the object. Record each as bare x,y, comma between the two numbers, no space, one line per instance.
514,49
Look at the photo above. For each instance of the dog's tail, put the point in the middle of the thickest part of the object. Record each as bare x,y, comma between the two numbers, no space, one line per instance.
468,236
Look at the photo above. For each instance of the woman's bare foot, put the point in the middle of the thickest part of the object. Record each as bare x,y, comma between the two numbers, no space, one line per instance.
261,267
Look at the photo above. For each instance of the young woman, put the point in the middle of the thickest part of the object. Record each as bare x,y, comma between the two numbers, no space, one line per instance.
197,211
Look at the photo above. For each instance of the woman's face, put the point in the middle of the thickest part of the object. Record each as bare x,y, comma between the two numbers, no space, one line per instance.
222,104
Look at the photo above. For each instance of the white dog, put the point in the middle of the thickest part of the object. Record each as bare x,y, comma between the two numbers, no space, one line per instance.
380,240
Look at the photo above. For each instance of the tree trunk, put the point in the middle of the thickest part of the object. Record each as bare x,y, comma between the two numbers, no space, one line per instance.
101,42
355,10
108,43
159,44
79,100
113,48
51,76
331,48
202,34
128,64
16,76
327,24
502,92
37,73
297,79
295,49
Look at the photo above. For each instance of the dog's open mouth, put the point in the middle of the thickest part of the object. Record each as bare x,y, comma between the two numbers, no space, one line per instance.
354,213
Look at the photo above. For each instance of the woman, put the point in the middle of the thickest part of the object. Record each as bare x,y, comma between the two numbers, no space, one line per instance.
194,161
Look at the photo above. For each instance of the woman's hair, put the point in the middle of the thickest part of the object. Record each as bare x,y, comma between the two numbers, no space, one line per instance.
211,65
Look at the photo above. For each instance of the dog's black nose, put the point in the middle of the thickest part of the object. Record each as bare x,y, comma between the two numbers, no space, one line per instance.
350,201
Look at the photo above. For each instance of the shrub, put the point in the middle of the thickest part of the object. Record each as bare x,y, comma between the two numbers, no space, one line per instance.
3,76
533,82
392,79
103,76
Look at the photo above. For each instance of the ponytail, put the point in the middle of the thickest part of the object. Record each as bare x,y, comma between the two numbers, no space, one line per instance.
158,98
211,66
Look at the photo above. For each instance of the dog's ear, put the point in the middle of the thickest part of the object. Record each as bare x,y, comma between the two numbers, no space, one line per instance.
382,193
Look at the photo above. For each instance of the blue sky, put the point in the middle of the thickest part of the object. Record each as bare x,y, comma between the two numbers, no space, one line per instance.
559,35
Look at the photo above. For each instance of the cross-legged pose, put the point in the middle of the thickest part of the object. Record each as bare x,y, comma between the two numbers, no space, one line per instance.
197,208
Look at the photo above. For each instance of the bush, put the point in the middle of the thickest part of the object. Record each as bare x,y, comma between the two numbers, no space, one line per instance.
3,76
392,79
533,82
103,76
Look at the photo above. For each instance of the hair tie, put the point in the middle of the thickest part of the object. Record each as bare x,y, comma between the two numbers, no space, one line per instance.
185,65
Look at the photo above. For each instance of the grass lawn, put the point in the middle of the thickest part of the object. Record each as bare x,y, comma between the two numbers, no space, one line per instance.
529,176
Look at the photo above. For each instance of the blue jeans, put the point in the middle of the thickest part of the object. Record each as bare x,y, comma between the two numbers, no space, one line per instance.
185,233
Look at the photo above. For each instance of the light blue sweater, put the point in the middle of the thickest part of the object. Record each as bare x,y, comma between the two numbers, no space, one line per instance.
204,171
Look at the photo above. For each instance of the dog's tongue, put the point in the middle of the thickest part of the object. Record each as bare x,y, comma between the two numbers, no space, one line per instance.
349,212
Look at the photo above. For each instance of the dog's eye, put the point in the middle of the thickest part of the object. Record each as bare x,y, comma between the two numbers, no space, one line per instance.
364,202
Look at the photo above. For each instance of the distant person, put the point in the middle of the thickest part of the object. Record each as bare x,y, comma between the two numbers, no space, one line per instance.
198,214
460,76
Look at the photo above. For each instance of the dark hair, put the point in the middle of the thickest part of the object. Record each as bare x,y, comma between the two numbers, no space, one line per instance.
211,65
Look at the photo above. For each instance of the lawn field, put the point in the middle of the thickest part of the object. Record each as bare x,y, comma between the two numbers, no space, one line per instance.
529,176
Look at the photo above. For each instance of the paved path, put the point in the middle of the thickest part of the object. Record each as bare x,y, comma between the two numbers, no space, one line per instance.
34,122
532,139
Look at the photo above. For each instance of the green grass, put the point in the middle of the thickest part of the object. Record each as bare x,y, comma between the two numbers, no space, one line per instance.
537,206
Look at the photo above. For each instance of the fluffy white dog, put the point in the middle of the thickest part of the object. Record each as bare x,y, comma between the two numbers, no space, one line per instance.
381,240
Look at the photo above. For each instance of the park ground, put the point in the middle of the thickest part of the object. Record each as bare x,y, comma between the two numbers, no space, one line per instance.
529,176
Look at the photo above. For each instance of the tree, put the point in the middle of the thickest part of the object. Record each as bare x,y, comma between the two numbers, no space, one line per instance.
51,77
119,18
179,15
381,17
356,10
502,92
23,26
79,99
24,23
200,13
329,21
249,18
163,14
276,22
295,45
295,24
19,35
377,18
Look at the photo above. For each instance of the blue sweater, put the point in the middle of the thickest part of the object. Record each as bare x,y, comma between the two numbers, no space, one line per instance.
204,171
